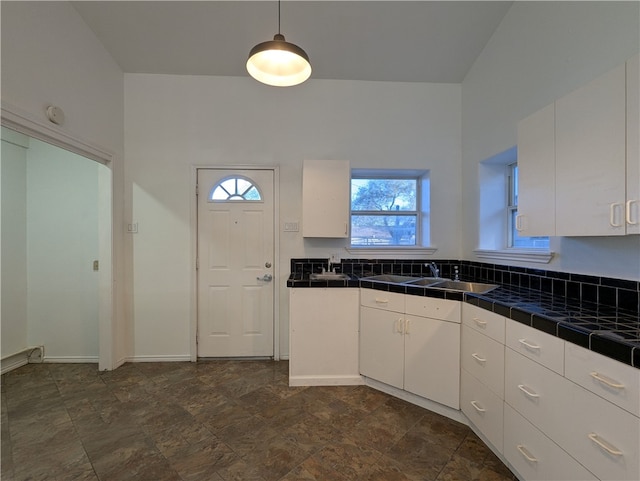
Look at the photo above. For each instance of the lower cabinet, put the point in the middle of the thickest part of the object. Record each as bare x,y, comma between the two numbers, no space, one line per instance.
323,338
408,351
536,457
483,408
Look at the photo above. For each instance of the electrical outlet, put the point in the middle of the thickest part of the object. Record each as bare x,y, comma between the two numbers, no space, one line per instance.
335,258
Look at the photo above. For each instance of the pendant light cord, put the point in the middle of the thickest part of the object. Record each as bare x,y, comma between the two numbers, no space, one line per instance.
278,17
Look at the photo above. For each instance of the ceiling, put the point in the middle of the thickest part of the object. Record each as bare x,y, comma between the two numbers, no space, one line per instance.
414,41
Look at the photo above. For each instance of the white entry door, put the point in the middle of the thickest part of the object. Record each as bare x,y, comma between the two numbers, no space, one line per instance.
235,263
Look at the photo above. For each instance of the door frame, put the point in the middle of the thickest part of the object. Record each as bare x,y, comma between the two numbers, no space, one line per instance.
16,119
193,331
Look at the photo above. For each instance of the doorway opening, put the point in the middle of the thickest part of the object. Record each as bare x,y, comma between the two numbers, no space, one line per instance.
56,251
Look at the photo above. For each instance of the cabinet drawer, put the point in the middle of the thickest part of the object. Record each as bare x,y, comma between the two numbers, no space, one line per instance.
535,392
442,309
534,456
544,348
482,407
484,358
610,379
389,301
600,435
486,322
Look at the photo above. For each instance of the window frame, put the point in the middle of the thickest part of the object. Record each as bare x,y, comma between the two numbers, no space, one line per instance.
418,213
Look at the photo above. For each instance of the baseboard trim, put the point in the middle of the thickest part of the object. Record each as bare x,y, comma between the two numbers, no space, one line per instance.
347,380
71,359
169,358
21,358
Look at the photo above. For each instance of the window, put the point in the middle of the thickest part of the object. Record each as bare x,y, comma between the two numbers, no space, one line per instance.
515,240
235,189
387,210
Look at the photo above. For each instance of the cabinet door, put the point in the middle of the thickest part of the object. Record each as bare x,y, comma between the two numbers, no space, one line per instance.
325,198
324,336
632,207
590,158
382,345
432,359
536,174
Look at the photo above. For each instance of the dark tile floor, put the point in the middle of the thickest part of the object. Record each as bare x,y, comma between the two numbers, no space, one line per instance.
222,421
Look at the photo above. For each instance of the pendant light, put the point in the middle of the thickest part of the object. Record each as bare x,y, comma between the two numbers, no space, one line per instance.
278,62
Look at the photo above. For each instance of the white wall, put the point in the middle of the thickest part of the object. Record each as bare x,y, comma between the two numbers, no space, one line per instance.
13,167
541,51
50,56
175,122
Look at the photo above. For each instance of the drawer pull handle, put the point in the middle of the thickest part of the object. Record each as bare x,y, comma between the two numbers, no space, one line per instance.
526,343
480,322
605,445
478,358
527,391
605,380
527,455
477,408
382,301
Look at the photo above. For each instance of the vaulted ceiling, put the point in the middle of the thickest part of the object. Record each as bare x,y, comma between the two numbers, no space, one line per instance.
406,41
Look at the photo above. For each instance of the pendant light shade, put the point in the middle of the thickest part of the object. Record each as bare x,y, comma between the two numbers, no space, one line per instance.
278,62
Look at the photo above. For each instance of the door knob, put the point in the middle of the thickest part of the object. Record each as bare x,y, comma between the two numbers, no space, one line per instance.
266,278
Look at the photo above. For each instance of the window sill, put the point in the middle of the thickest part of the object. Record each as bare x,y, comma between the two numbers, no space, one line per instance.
524,255
391,252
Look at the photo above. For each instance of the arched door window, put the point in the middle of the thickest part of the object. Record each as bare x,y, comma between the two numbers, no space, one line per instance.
235,189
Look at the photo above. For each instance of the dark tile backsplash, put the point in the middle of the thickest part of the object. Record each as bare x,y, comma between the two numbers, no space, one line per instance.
605,291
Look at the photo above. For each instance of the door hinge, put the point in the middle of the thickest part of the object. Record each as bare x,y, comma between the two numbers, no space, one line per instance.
197,263
197,191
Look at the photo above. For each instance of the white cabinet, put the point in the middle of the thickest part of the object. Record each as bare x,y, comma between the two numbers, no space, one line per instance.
543,348
632,205
326,204
590,157
601,436
432,349
323,336
482,374
382,346
483,357
579,161
483,408
536,457
606,377
536,169
401,347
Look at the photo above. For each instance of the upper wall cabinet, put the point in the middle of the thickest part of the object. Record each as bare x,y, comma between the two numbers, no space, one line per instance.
326,198
632,205
578,161
536,179
590,158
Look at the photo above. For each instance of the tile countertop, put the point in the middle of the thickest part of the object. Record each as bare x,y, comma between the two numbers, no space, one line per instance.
610,331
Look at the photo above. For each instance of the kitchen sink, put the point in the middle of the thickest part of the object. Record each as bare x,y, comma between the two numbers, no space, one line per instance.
427,281
477,287
391,278
329,276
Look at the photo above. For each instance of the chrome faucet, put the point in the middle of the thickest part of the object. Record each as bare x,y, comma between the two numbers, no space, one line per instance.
435,272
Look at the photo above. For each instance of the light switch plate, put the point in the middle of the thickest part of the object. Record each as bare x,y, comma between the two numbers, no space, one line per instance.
291,227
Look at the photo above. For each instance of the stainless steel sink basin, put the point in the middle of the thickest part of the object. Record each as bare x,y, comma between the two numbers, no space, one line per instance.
477,287
391,278
427,281
329,276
